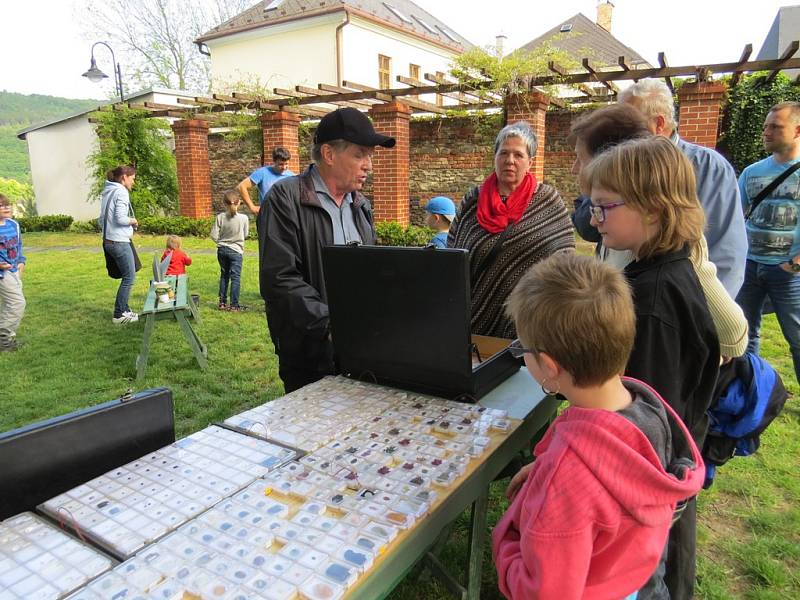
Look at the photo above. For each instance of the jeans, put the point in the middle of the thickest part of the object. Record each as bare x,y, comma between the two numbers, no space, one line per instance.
123,255
783,291
230,267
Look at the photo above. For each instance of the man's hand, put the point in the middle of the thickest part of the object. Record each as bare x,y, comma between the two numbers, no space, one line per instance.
133,223
786,267
516,482
4,266
20,269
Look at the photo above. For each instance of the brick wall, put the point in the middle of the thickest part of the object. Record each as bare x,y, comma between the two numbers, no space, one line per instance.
559,154
699,114
191,155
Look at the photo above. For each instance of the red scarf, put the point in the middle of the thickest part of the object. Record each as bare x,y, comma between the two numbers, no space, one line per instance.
494,215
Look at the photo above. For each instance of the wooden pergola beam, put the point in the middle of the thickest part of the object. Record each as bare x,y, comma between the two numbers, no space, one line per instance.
785,57
748,50
662,60
413,103
458,96
434,78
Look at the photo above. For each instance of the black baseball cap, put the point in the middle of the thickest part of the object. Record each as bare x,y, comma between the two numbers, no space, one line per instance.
351,125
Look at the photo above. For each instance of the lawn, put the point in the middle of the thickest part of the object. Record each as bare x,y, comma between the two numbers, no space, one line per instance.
749,534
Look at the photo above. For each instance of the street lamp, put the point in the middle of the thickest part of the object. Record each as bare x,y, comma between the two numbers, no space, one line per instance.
95,75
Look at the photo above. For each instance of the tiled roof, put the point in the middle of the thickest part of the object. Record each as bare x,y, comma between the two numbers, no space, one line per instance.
586,39
401,14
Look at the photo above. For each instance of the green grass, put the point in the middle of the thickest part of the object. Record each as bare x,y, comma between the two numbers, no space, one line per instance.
73,357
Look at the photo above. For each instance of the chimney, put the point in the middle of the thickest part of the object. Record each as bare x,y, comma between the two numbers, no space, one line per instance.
604,10
499,42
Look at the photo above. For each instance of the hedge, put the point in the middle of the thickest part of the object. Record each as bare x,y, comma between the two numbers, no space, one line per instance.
45,223
391,233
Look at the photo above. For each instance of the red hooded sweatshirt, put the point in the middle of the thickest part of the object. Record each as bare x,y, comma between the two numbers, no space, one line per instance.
592,519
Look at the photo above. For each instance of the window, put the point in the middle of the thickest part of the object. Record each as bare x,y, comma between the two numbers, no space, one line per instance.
566,27
413,71
426,26
439,97
447,33
273,5
384,71
397,13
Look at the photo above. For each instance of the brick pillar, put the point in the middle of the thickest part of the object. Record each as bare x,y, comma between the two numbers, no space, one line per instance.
390,165
194,169
281,129
700,112
530,107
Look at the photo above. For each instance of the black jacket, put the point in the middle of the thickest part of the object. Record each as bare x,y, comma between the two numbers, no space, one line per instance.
293,227
676,349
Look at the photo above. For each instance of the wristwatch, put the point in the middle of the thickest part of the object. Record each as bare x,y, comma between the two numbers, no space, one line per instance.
793,266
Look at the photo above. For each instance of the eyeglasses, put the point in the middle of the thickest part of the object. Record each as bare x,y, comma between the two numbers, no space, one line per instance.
599,210
518,351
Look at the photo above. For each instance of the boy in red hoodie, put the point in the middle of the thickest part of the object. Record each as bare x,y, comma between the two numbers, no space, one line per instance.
590,516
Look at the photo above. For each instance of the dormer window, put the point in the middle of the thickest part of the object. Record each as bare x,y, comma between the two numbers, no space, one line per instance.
273,5
447,33
397,13
566,28
426,26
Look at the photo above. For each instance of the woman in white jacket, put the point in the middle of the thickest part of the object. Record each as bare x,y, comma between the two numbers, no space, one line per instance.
117,223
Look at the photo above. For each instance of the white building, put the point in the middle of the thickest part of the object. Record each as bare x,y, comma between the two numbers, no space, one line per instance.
285,43
58,151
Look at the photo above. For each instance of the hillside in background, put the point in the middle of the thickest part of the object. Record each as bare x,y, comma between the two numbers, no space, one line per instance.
18,111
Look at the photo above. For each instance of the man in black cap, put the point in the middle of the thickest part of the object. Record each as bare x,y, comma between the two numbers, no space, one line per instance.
319,207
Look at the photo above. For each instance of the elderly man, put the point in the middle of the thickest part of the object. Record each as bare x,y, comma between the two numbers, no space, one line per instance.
264,178
716,183
320,207
770,192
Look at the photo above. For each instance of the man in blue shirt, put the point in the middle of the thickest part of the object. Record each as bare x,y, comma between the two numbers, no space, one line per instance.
773,231
264,177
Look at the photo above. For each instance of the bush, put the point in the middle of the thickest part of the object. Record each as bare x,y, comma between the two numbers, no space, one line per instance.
183,226
91,226
45,223
391,233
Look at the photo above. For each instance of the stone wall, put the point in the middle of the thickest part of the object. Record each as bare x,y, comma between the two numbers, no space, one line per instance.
231,161
447,156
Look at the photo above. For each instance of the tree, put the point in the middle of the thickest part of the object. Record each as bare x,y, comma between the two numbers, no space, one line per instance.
154,39
128,137
748,104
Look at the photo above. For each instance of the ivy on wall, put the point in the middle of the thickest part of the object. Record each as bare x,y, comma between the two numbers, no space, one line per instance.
749,102
127,138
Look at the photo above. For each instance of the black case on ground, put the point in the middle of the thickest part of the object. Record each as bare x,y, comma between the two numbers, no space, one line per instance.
400,316
41,460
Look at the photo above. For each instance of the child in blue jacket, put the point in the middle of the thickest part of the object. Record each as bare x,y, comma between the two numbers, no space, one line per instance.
12,264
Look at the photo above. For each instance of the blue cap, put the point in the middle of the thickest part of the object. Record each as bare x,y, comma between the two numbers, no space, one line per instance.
441,205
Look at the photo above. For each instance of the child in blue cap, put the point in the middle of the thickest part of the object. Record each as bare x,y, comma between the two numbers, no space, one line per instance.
441,211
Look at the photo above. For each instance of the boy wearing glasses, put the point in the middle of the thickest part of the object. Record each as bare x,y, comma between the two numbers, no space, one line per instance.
590,517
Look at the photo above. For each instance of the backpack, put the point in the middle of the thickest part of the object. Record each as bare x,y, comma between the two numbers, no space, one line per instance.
748,396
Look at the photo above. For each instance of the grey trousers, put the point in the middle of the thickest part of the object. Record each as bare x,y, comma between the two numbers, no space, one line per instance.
12,305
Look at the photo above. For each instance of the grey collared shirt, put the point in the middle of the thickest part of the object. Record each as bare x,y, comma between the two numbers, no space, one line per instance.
344,228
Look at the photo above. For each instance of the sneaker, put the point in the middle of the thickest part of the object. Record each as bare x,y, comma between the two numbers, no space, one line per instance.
10,345
222,306
124,319
132,316
237,308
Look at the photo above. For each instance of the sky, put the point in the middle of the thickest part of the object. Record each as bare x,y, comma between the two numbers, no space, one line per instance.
42,50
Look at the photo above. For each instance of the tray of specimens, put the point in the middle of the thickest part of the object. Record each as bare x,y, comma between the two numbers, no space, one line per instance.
38,561
127,508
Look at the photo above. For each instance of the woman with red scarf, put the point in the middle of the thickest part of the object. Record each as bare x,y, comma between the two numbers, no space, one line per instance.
508,223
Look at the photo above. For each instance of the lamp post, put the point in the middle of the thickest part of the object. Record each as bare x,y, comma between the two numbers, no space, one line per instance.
95,75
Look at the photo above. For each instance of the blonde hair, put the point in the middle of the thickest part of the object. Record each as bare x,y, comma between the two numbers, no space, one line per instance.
654,178
578,310
173,242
